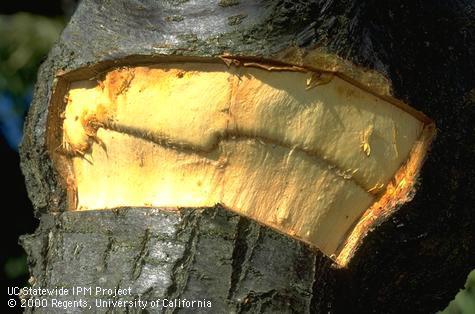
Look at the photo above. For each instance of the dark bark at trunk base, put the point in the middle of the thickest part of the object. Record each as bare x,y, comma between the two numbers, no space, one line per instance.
414,262
193,254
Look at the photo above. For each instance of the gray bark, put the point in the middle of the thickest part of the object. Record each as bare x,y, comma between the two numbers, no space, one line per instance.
236,264
414,262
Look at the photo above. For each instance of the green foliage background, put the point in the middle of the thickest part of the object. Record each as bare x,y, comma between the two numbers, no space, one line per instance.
464,302
25,40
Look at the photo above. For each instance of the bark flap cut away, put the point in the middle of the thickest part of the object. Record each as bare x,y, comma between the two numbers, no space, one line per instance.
310,153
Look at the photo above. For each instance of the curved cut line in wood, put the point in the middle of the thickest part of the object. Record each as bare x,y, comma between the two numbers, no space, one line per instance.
310,153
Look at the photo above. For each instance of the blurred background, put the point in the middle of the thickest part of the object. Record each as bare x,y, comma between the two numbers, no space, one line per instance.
28,29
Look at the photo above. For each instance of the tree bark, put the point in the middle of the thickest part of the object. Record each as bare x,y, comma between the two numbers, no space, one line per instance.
413,262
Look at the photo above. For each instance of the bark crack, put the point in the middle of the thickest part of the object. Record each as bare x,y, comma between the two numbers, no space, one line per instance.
181,268
108,251
255,301
138,263
46,252
239,254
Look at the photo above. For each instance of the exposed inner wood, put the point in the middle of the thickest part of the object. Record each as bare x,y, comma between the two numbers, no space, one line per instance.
305,152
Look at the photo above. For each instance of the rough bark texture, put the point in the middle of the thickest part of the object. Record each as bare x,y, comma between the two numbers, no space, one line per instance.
236,264
414,262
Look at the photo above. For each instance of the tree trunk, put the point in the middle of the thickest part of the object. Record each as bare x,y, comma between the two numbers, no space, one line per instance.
414,262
